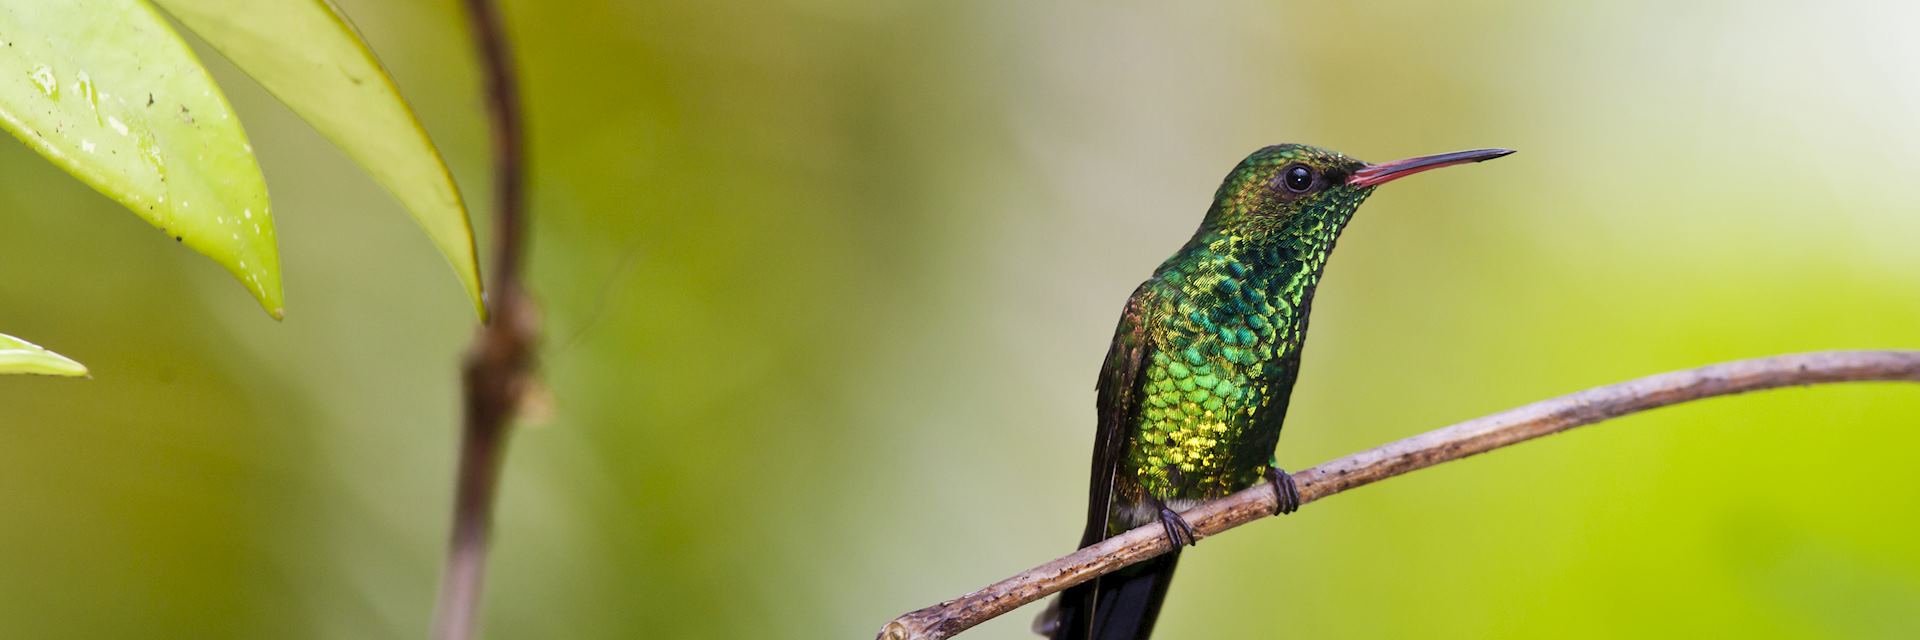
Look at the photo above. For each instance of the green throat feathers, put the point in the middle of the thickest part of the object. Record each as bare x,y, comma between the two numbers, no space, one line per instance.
1226,316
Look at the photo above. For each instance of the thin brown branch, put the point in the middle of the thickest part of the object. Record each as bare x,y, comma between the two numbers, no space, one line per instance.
1475,436
499,363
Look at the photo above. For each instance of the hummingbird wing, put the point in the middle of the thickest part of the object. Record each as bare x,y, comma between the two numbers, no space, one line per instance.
1118,404
1072,616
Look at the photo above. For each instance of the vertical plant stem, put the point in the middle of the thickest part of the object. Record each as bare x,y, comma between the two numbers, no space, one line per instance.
499,362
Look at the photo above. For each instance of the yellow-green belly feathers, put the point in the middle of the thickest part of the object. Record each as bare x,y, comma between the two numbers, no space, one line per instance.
1225,322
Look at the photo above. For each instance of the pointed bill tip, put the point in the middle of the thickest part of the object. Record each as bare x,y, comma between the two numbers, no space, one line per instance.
1377,174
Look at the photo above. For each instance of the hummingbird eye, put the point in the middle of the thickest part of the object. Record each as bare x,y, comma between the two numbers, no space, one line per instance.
1297,178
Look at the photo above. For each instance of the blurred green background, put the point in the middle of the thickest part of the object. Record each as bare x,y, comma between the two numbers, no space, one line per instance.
827,283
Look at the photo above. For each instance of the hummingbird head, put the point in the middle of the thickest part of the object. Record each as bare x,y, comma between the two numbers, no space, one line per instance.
1291,188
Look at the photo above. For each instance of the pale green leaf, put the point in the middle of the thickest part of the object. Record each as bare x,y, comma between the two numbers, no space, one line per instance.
308,55
20,356
109,92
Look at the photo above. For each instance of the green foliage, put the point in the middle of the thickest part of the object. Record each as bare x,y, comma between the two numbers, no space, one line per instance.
110,93
20,356
828,284
310,57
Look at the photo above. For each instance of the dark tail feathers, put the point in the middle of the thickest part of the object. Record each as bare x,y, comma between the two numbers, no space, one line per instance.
1119,606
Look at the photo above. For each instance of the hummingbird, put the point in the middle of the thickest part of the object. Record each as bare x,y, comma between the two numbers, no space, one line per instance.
1195,385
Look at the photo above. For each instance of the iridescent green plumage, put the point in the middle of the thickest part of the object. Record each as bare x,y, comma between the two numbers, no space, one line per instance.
1223,321
1196,384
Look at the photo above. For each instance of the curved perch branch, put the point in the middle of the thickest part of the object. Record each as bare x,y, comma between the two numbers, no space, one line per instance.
1475,436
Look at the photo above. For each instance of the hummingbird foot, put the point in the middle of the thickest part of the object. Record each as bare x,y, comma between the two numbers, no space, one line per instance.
1179,531
1286,493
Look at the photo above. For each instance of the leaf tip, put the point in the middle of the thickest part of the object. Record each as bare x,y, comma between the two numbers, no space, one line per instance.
264,284
65,367
20,356
479,296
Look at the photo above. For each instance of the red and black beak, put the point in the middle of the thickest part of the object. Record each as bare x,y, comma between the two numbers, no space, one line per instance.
1377,174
